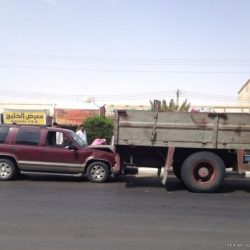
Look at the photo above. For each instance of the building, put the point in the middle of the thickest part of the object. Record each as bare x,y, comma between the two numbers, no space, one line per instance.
111,108
243,105
46,113
26,113
75,112
222,108
244,93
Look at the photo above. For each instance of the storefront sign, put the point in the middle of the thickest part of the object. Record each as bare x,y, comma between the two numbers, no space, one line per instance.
24,117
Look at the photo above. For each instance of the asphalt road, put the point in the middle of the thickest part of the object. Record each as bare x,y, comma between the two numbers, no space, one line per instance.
68,213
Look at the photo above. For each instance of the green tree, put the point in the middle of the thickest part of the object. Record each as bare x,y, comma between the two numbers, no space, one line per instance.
98,127
171,106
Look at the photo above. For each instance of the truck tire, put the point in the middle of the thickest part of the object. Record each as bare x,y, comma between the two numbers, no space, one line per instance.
8,170
98,172
203,172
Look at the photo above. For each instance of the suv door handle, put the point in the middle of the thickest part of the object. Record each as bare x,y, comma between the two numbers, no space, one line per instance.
14,149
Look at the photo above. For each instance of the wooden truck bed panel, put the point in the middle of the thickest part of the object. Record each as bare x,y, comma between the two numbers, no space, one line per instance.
183,129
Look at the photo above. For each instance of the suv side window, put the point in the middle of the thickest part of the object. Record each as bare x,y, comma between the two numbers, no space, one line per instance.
3,133
57,139
28,136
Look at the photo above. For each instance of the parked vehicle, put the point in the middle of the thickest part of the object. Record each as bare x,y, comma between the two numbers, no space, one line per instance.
51,150
199,147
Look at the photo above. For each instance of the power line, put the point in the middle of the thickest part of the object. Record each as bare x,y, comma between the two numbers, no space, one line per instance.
215,97
118,97
124,71
138,61
73,97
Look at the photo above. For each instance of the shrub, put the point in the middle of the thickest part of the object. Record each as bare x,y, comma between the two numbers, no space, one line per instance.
98,127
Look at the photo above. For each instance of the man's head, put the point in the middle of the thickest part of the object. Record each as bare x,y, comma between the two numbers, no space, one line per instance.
55,124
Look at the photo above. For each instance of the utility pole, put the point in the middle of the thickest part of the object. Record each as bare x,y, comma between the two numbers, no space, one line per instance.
177,97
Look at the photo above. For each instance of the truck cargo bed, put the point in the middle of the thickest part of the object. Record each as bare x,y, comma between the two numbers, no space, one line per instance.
183,129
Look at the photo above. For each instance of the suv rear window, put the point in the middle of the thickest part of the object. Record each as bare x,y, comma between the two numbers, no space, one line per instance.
28,136
3,133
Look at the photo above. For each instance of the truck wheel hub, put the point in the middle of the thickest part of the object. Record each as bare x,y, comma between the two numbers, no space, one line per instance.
203,172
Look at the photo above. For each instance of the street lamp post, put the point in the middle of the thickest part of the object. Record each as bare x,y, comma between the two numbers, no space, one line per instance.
91,99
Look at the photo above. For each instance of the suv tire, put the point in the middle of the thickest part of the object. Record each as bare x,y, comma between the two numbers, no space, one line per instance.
98,172
8,169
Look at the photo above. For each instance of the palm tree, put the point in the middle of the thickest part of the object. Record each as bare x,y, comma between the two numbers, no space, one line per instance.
171,106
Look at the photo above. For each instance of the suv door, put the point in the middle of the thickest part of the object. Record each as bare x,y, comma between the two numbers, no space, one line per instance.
27,148
57,157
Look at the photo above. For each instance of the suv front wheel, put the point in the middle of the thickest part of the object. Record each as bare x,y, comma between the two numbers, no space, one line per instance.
98,172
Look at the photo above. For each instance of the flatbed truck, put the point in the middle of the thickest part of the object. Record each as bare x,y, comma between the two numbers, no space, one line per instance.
198,147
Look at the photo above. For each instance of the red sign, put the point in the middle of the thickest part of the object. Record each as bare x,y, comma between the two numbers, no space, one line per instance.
73,116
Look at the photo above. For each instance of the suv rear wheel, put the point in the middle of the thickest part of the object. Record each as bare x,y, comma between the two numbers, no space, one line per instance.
7,170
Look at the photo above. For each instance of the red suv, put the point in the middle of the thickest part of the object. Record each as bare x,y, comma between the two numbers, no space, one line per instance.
51,150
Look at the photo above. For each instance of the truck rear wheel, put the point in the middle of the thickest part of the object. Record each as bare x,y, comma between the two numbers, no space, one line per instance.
7,170
203,172
98,172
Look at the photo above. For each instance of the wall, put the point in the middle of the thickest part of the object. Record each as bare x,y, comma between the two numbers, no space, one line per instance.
73,116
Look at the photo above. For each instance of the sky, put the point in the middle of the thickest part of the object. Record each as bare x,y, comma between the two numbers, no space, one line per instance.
124,50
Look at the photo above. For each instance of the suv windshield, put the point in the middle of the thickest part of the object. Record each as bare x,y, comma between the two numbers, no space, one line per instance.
78,139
